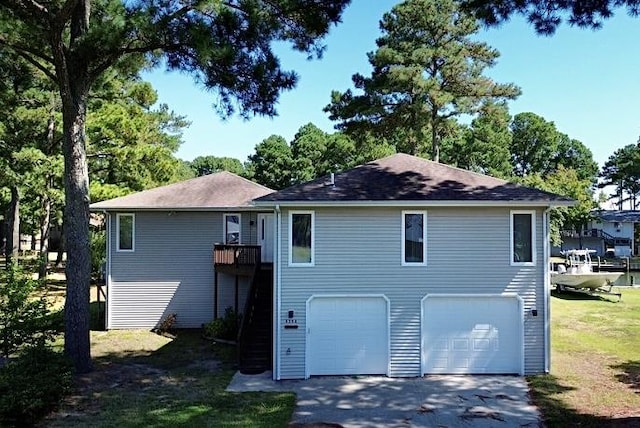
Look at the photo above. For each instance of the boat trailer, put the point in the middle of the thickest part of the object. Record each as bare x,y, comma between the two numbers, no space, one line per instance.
605,290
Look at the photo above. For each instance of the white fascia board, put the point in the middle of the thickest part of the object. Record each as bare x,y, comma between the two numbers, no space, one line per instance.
181,209
401,203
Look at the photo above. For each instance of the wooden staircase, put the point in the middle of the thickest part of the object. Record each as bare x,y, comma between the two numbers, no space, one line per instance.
255,333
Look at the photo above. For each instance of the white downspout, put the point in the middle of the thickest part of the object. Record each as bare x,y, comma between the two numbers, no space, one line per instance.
277,294
107,276
547,291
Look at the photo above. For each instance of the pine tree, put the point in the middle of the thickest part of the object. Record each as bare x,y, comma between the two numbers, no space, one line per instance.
427,69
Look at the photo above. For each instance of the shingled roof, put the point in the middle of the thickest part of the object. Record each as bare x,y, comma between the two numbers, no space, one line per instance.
402,177
624,216
219,190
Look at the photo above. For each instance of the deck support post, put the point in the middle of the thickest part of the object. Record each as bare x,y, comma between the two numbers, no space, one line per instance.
236,297
215,294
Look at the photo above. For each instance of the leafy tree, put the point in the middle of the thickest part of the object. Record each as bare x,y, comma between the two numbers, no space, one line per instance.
311,154
131,143
622,170
272,163
30,142
575,155
203,165
484,146
23,318
227,46
316,153
534,140
538,147
566,182
41,201
426,70
307,150
547,15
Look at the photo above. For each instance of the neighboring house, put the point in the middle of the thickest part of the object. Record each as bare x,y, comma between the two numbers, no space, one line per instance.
610,234
619,228
403,266
399,267
160,250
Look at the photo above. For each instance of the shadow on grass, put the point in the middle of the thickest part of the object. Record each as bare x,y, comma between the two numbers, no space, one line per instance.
630,374
547,392
181,383
580,295
185,348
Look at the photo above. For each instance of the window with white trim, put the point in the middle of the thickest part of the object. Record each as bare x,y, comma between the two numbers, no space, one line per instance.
232,229
414,238
126,232
301,237
523,238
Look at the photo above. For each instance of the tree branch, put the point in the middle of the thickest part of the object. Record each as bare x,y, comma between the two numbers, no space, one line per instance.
31,7
27,49
39,66
35,63
65,12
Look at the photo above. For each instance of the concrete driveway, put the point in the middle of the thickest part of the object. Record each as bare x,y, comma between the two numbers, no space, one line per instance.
375,401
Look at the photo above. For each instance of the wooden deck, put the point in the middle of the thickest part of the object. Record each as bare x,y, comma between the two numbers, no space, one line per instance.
236,259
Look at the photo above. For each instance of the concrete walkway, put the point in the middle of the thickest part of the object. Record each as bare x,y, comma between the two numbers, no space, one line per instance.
376,401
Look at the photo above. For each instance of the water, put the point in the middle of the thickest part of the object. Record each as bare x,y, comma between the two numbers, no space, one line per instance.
625,279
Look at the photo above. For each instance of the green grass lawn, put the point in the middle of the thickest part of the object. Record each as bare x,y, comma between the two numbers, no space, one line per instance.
595,362
145,380
141,379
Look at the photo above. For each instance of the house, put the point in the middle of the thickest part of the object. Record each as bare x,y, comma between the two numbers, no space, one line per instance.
610,233
404,266
160,250
618,227
398,267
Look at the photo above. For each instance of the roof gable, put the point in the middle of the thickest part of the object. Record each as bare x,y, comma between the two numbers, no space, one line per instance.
403,177
218,190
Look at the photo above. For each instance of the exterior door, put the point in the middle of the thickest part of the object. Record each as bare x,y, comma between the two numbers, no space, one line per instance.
265,236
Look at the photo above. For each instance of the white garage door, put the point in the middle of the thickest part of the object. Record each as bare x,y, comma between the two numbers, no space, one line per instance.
347,335
472,334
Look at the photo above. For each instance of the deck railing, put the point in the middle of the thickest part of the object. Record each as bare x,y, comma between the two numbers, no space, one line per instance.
236,255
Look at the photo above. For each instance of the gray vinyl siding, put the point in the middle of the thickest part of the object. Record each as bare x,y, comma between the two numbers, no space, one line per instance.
171,270
358,250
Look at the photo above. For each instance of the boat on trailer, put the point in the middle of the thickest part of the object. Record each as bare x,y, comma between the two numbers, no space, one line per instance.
577,273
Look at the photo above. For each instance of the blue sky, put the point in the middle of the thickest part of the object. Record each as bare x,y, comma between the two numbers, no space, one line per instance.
587,82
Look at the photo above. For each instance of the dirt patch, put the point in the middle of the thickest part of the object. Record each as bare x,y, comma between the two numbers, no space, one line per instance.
600,385
127,378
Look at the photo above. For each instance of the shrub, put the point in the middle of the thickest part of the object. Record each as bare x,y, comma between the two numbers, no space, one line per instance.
167,324
24,319
224,328
32,385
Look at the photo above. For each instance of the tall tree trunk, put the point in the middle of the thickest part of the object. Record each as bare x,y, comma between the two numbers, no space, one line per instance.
435,144
73,79
13,232
45,220
45,228
621,197
61,247
76,219
76,222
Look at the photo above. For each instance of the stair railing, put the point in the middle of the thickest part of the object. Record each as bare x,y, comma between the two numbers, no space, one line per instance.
249,308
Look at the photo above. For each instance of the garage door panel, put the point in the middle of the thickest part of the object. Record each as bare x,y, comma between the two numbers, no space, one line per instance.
472,334
348,335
